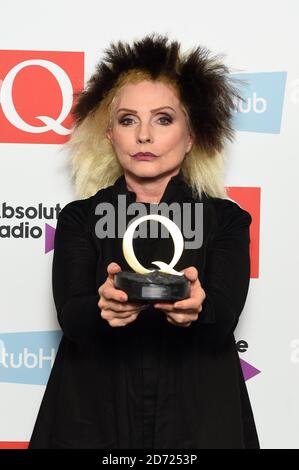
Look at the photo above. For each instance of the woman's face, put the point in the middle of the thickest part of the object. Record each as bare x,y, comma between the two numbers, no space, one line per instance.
148,117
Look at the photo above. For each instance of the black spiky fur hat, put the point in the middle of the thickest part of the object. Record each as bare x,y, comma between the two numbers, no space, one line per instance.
206,89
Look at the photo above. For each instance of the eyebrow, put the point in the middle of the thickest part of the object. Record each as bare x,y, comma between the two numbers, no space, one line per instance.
152,110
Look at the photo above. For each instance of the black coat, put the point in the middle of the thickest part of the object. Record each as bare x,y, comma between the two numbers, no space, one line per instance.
110,386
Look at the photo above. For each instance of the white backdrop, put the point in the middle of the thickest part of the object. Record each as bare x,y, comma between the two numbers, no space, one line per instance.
259,40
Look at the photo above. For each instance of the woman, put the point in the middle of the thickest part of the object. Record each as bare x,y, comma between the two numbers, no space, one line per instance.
166,375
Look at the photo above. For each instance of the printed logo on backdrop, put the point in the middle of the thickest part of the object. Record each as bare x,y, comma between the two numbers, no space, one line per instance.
249,371
19,222
249,198
27,358
36,95
264,98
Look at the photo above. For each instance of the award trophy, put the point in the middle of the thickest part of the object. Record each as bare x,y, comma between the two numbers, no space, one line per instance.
163,284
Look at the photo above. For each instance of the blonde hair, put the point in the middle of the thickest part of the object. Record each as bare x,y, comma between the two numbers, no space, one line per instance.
94,164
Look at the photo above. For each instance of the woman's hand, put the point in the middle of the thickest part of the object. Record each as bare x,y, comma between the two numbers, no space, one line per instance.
184,312
113,302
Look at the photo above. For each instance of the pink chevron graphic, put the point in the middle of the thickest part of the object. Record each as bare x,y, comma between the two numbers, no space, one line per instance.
49,238
248,370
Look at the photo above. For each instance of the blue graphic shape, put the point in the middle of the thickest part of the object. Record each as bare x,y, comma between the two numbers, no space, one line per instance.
264,97
27,358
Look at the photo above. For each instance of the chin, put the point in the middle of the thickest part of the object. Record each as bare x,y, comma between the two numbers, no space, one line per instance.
145,172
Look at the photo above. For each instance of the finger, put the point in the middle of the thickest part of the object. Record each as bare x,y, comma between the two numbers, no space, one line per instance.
191,273
123,307
110,293
115,322
164,306
170,320
127,314
112,269
182,316
111,314
189,304
186,304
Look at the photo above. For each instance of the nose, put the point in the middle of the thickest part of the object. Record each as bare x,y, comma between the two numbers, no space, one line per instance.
140,140
143,134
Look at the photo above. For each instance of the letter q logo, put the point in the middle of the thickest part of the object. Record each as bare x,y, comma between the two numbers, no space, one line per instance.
36,95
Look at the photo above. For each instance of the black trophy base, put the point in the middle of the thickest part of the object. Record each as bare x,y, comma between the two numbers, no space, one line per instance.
152,287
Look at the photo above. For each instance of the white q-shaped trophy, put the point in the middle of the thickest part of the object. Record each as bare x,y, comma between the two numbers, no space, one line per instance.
163,284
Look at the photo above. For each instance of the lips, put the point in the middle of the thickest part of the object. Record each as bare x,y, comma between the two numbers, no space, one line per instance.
144,154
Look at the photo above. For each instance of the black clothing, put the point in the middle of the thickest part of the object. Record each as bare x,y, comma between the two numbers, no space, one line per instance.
149,383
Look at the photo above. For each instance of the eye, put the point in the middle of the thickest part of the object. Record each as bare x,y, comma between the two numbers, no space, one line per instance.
124,121
166,120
